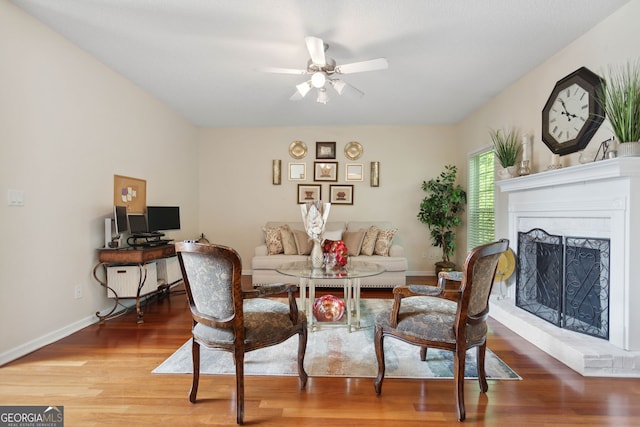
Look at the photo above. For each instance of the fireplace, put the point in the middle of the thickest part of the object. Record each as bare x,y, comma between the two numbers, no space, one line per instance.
589,236
565,281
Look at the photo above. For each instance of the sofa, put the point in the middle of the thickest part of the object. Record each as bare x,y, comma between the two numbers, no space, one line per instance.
368,241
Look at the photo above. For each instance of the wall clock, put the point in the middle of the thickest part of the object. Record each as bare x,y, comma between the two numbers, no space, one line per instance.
572,114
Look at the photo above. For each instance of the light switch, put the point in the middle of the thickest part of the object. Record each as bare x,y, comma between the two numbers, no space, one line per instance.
16,198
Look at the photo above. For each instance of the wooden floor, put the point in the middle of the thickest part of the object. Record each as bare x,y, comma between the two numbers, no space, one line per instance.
102,376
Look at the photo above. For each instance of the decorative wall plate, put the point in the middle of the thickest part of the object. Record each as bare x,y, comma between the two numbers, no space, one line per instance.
353,150
297,149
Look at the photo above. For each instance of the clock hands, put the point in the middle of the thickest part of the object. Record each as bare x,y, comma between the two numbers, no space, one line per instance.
565,112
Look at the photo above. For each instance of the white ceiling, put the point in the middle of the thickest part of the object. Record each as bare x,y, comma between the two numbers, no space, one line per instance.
202,57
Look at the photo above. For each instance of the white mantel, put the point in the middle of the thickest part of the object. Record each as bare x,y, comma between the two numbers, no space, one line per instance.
599,200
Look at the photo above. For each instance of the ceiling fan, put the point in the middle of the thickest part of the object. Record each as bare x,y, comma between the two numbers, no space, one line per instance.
324,71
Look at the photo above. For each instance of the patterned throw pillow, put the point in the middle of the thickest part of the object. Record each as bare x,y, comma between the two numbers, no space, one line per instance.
383,241
303,243
369,242
353,241
288,241
273,239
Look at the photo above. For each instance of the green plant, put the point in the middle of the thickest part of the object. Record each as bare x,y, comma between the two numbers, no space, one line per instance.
440,210
506,146
620,100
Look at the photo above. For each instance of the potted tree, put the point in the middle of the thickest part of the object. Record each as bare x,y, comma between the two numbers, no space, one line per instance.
619,97
507,149
440,211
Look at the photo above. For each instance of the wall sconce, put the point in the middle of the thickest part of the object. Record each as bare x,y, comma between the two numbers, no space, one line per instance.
276,172
375,174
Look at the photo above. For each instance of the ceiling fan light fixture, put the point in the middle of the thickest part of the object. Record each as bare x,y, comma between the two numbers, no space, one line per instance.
338,85
318,80
323,97
303,88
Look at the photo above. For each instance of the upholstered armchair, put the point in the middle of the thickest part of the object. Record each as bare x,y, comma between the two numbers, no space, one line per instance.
229,319
446,317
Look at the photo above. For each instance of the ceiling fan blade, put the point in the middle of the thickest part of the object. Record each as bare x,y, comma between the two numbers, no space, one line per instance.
277,70
315,46
359,67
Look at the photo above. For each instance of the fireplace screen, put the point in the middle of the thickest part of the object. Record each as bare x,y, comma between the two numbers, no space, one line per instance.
565,281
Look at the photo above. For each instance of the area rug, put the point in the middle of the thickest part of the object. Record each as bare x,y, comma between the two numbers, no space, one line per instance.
333,351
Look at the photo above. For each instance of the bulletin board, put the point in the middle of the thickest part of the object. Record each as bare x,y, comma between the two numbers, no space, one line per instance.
130,192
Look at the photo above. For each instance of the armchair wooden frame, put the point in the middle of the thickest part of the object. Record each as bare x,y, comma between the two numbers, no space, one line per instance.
212,278
459,321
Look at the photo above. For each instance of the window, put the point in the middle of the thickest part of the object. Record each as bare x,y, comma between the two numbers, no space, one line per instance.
480,197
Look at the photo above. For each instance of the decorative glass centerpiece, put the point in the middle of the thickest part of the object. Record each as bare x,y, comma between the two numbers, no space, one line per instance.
328,308
314,218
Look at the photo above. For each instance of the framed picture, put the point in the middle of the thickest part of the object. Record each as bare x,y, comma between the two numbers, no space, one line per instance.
341,194
325,171
297,171
309,193
325,150
354,172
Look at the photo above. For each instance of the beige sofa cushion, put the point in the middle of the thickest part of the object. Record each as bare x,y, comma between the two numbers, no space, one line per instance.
273,239
383,241
288,241
353,241
369,242
303,242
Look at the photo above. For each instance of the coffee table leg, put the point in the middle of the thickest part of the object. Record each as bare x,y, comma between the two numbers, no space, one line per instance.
303,292
347,301
356,300
312,298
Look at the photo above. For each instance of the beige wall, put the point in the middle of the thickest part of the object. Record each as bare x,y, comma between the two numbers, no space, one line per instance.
237,196
67,125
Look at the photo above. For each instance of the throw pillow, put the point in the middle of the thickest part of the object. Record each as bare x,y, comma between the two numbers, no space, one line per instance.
353,241
383,241
303,243
288,241
369,242
273,239
332,235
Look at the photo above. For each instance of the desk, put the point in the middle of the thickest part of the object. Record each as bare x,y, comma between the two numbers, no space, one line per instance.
129,256
350,274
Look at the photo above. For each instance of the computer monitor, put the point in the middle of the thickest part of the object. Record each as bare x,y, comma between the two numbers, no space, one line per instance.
120,219
138,224
163,218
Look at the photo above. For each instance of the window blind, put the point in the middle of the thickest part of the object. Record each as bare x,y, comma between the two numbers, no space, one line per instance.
480,200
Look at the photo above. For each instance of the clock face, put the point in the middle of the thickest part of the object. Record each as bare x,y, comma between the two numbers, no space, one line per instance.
569,113
572,115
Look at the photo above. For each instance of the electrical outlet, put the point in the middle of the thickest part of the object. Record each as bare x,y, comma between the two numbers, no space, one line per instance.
78,292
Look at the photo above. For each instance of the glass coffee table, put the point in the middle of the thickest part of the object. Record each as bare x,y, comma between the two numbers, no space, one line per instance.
350,275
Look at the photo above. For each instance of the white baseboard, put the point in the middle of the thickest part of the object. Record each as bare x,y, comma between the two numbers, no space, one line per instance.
53,336
33,345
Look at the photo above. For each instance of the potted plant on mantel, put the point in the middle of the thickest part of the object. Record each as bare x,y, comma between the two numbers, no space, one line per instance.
440,211
507,149
620,99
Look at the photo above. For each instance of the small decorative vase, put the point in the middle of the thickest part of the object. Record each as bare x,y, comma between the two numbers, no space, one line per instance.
508,172
626,149
317,257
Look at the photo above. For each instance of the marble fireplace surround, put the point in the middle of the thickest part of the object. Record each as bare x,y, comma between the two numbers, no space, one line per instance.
599,200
